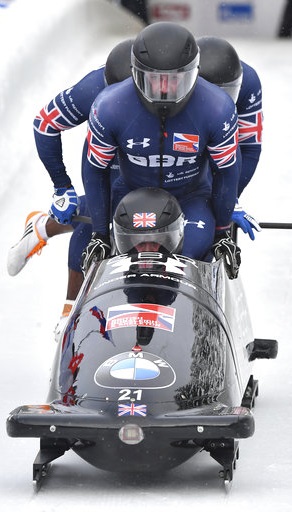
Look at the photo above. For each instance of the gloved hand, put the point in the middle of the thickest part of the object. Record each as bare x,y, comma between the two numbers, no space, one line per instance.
225,247
245,221
98,249
65,205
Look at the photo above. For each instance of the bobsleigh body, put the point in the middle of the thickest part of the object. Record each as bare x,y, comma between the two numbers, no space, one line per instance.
154,365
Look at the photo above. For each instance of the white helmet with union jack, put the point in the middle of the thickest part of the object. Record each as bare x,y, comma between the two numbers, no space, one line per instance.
148,219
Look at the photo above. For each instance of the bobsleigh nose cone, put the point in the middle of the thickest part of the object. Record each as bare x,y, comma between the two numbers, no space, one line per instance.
131,434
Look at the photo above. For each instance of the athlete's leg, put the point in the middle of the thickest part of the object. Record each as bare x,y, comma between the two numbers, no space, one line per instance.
79,239
53,228
199,227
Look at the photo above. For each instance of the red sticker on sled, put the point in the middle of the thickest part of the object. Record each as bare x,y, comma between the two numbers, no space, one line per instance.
143,315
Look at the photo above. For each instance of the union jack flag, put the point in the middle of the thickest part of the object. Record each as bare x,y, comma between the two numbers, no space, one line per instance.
99,155
144,315
132,410
224,154
144,220
250,128
50,120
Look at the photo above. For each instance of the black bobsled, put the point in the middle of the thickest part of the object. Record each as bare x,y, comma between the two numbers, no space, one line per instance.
154,365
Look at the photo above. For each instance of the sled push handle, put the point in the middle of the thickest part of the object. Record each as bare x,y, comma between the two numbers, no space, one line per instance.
263,225
276,225
82,218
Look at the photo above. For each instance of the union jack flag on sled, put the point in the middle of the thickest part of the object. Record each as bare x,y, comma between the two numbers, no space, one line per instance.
132,410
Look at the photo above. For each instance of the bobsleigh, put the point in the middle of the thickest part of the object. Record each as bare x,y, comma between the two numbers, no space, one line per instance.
154,365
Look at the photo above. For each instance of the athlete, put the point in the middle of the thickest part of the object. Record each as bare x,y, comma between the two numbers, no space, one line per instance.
68,109
220,64
165,122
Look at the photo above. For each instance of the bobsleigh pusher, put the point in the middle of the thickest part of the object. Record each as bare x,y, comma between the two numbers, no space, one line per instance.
154,365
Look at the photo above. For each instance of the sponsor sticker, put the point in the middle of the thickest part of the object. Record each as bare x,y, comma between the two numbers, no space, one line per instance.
141,370
143,315
229,11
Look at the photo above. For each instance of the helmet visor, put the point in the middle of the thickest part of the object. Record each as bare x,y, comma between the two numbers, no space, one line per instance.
232,88
165,85
165,239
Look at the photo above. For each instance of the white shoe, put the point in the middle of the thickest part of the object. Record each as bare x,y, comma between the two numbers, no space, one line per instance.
59,329
31,243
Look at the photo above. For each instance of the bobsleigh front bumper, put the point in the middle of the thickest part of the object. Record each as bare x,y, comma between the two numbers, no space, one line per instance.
74,422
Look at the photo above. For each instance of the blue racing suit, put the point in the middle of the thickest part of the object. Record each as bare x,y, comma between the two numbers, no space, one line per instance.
174,155
71,107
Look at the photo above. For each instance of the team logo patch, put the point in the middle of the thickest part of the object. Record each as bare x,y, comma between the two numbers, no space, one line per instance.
143,315
144,220
144,143
141,370
185,142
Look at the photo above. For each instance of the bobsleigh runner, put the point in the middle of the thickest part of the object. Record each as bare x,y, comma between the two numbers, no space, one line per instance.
154,365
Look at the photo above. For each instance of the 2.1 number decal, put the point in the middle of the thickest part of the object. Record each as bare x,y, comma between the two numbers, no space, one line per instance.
128,394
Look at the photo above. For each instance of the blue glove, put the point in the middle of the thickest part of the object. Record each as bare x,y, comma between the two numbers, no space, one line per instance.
245,221
65,205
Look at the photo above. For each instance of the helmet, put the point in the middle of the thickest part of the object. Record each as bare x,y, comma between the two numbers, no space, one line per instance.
165,64
148,219
220,64
118,63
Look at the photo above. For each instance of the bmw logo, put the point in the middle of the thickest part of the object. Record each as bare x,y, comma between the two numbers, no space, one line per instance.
142,370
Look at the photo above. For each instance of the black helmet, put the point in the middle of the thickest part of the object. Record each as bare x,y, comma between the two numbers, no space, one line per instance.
118,63
148,219
220,64
165,63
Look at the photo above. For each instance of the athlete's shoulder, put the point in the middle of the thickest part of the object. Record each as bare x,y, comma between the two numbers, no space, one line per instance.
89,86
95,77
250,75
111,108
79,97
116,91
250,95
117,98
